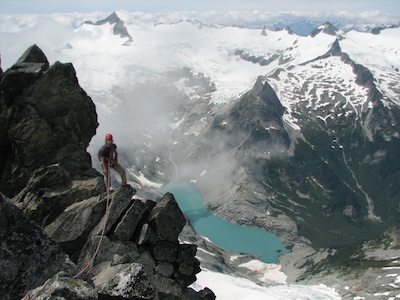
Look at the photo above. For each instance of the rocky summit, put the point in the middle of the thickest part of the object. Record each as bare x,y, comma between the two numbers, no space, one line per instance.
61,235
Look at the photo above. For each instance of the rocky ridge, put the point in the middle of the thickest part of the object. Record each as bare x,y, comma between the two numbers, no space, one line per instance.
52,225
118,29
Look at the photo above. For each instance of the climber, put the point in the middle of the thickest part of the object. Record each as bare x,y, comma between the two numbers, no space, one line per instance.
109,155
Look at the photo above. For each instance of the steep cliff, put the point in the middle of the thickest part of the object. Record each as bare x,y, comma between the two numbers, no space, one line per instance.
59,213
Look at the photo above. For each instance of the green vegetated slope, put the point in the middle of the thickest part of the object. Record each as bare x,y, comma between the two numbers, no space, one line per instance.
326,183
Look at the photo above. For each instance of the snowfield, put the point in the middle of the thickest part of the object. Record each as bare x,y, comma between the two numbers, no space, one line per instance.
228,287
103,64
106,69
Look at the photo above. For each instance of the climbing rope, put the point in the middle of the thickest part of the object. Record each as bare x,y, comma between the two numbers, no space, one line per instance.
104,224
26,297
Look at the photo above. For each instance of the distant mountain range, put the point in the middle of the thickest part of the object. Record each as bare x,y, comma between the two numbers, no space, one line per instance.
294,133
305,27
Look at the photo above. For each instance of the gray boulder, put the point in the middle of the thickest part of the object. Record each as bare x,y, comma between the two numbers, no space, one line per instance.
124,281
64,288
186,264
166,218
168,288
110,252
130,221
119,203
165,251
51,189
29,257
165,269
147,236
73,226
204,294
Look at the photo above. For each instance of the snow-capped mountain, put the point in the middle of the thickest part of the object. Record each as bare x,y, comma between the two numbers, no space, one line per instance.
294,134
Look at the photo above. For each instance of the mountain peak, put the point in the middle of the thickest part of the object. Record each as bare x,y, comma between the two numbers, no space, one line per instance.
327,28
111,19
33,55
119,27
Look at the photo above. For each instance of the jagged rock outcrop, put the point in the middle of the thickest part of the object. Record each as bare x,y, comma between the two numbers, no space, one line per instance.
28,255
118,29
168,266
51,190
73,226
256,121
128,248
167,212
48,119
375,121
327,28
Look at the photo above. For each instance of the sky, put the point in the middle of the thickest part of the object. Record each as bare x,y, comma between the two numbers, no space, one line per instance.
85,6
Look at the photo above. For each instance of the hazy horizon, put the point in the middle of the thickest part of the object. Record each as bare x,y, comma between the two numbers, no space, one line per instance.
85,6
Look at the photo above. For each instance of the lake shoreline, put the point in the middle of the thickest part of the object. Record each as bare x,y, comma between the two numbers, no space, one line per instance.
260,243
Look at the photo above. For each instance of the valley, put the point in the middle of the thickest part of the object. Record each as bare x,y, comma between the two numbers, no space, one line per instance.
296,135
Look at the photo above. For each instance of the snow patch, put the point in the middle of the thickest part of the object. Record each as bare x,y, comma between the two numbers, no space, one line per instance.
227,287
144,181
176,125
271,272
205,251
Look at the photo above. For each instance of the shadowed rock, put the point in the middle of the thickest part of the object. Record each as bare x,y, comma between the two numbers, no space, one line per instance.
120,203
51,189
34,55
27,254
47,119
72,227
147,235
166,219
130,221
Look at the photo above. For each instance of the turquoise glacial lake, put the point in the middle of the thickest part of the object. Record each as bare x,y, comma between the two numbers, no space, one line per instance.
233,237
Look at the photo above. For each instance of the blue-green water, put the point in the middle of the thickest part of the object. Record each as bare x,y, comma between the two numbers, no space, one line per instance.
233,237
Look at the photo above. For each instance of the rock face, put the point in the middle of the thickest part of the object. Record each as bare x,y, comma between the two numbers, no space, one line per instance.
60,219
62,287
127,281
29,256
46,118
167,267
167,212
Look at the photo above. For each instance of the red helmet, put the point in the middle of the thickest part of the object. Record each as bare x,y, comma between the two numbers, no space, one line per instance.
109,136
